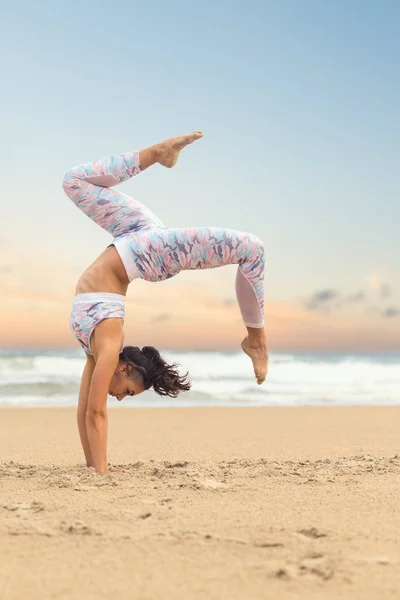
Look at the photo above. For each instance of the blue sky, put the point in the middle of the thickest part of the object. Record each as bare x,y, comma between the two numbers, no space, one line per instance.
298,103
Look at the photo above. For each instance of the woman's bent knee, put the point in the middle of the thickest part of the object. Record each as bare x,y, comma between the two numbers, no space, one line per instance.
259,244
67,181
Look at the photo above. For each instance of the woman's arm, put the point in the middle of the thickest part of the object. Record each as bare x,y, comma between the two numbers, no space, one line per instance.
82,407
108,337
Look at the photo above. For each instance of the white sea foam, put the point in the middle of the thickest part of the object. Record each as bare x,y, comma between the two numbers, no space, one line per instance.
51,378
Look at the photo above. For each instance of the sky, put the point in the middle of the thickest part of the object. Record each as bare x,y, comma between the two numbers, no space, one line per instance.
299,106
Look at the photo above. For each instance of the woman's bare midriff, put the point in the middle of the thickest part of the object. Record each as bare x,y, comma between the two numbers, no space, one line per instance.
106,274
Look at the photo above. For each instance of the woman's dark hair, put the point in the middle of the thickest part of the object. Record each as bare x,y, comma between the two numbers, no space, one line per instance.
156,373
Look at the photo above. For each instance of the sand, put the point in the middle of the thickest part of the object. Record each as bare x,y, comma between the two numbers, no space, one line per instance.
219,503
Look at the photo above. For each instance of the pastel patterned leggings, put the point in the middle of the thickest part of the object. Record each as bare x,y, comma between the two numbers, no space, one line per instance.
160,252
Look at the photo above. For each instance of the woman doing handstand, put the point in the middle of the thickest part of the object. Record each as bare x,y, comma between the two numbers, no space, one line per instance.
144,248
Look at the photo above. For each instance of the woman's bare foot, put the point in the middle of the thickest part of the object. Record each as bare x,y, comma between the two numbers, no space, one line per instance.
258,352
168,151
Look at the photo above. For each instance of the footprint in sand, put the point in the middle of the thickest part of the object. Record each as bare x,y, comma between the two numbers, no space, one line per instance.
312,533
76,528
24,508
21,519
317,565
314,566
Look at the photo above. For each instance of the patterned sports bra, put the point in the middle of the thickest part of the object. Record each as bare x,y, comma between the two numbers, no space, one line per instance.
88,310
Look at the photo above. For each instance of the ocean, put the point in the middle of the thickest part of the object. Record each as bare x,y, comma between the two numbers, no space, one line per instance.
52,377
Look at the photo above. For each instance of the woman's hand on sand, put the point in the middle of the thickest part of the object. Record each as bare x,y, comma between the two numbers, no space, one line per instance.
112,472
102,472
105,472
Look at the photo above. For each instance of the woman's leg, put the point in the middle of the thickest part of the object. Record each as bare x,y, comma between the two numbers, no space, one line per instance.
90,186
161,254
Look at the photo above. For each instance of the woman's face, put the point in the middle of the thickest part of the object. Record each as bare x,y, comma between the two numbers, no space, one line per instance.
121,385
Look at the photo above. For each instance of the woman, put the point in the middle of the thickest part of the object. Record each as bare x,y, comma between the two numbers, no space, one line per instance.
144,248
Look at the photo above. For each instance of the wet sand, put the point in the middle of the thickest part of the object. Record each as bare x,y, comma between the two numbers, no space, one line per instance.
219,503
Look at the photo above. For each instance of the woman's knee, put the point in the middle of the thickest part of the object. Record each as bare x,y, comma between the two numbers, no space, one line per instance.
258,244
72,183
67,181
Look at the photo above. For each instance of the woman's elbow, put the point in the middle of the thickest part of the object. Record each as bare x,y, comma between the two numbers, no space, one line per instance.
96,415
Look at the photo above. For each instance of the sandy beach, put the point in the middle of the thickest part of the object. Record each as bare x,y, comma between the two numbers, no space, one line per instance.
219,503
